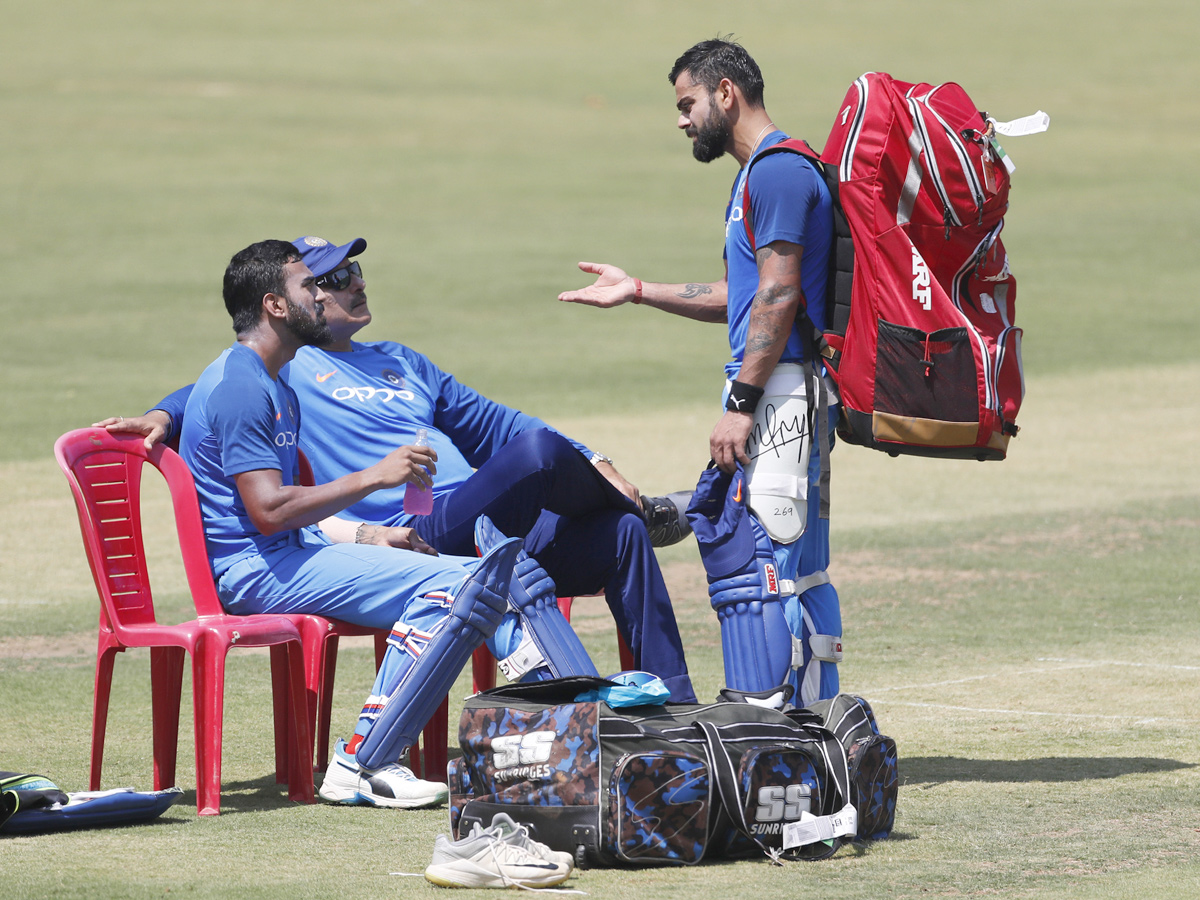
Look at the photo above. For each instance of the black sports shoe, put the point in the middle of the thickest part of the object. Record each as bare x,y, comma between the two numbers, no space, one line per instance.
665,519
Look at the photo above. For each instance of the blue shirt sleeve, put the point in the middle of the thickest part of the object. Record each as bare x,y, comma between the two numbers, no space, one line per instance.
173,405
784,189
243,423
476,425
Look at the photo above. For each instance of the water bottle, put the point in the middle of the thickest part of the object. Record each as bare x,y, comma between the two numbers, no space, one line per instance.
418,502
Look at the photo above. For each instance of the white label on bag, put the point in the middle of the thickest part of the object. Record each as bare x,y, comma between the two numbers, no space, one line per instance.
811,829
1035,124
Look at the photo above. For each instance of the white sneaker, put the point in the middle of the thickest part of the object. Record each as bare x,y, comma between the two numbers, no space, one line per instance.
518,835
484,860
393,786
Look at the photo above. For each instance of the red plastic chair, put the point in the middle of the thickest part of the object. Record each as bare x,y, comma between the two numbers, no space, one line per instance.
104,471
320,636
483,664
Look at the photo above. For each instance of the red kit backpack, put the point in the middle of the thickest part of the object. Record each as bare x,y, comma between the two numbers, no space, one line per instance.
921,302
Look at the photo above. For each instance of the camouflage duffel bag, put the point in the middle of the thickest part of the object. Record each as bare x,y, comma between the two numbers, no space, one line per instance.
650,785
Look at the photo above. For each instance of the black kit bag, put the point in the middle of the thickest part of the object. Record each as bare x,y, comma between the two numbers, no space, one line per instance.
650,785
872,758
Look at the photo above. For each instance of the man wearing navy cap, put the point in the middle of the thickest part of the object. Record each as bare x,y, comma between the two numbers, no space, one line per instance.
580,519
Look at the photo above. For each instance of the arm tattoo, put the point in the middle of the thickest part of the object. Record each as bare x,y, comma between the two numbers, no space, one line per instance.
768,327
762,254
691,291
773,296
763,339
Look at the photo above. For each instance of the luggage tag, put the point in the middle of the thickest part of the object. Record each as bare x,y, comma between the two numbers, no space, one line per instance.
1035,124
811,829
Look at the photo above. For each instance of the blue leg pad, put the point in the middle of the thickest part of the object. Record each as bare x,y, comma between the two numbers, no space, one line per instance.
532,595
416,688
743,584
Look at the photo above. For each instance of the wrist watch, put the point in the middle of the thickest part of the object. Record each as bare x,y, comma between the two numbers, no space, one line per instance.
600,458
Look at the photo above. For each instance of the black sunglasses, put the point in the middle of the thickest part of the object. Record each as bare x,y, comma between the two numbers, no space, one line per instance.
339,279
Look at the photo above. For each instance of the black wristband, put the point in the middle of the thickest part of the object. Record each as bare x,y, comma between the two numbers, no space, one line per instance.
743,397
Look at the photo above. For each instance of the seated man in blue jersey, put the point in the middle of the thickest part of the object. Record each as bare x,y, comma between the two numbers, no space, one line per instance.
579,518
239,439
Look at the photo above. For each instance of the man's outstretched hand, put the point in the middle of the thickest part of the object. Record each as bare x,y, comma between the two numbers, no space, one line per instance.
612,287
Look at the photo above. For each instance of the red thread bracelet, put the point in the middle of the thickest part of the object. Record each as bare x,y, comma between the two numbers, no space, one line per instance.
637,290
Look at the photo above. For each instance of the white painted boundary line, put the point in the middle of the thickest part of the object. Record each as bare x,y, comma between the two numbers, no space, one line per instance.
1136,720
934,684
1066,664
1111,662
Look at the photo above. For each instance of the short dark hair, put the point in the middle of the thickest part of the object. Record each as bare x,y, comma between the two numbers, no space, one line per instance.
710,61
251,275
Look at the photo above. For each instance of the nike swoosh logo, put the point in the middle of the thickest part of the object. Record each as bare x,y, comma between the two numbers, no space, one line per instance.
550,866
321,379
738,497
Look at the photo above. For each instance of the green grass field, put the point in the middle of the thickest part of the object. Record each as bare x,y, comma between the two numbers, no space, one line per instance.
1029,632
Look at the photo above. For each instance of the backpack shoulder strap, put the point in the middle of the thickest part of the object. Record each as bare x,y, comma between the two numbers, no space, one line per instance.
819,345
791,145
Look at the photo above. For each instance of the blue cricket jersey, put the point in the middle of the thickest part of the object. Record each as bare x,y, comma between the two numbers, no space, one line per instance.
362,404
238,419
789,202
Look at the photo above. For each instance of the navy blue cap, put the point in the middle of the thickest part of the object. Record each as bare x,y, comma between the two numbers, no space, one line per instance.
321,256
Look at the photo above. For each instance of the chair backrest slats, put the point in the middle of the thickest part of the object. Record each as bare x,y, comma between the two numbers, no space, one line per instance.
104,471
105,479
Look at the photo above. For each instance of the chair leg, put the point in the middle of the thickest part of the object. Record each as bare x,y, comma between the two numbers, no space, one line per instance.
166,684
326,674
625,653
281,708
300,755
483,669
105,655
380,648
208,687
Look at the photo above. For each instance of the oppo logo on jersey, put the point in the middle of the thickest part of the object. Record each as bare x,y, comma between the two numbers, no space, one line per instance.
363,394
285,439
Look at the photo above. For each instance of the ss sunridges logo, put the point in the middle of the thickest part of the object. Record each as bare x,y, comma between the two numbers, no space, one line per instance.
778,804
522,757
772,579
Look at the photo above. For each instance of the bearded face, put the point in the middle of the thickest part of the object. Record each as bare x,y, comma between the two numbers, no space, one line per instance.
309,328
712,135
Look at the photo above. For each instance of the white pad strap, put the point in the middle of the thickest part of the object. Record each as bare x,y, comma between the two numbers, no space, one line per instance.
525,658
811,829
824,647
787,587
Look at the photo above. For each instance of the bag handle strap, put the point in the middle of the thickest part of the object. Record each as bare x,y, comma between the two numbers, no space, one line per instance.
726,776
